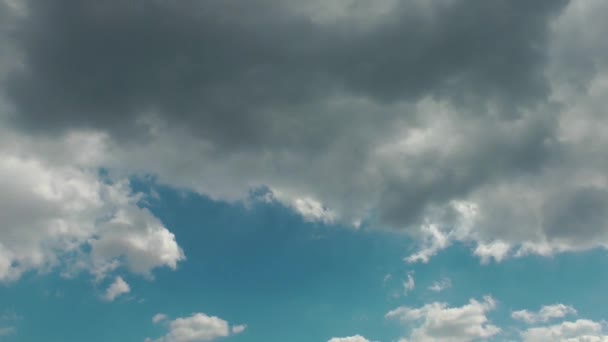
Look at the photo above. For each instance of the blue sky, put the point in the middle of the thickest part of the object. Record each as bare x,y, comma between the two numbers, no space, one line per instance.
320,170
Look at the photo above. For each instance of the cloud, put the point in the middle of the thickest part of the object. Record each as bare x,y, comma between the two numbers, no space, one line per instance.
356,338
443,284
198,328
425,124
432,240
237,329
312,210
143,249
438,322
159,317
116,289
63,214
581,330
496,250
409,285
545,314
196,72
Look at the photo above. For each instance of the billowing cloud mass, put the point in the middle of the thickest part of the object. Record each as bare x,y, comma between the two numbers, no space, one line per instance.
472,122
545,314
58,213
581,330
116,289
198,328
452,121
356,338
438,322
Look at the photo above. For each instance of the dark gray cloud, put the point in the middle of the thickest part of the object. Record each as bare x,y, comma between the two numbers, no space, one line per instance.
578,216
260,73
466,115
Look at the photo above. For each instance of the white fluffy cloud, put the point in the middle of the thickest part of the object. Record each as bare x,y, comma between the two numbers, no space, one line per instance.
545,314
439,322
581,330
356,338
117,289
150,246
53,205
198,328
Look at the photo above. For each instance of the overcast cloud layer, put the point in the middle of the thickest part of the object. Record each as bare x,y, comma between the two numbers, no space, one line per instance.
470,121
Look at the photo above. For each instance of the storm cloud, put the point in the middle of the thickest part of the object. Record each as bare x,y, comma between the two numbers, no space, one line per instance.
450,120
261,73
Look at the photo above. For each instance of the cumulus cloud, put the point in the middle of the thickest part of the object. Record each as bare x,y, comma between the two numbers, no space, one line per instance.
404,116
117,289
198,328
545,314
438,322
356,338
143,249
51,210
581,330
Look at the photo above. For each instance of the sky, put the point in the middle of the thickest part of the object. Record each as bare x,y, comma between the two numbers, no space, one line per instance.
323,170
